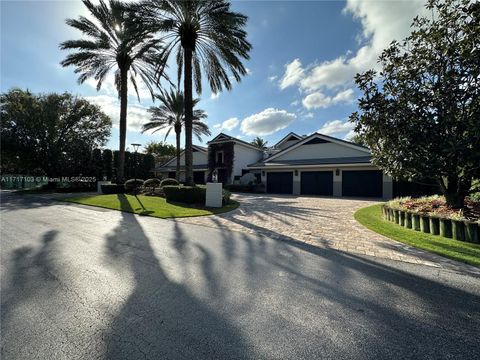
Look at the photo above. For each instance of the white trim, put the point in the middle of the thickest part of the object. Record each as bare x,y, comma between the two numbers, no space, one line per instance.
182,152
291,133
317,135
293,167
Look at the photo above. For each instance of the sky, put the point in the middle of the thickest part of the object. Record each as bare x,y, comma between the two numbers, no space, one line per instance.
300,73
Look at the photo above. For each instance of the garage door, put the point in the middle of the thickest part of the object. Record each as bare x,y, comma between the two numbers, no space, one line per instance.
316,183
362,183
280,183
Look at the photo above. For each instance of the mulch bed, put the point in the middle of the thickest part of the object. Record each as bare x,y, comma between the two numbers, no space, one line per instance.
440,208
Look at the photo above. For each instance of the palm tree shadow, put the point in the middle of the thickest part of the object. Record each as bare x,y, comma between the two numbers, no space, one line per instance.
162,319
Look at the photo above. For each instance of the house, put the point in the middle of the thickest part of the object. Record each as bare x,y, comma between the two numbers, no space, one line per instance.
299,165
322,165
229,157
200,166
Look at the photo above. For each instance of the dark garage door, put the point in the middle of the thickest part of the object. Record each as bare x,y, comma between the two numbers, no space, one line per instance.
362,183
280,183
316,183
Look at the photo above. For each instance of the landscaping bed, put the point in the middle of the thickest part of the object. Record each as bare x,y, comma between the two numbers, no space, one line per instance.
371,217
432,215
150,205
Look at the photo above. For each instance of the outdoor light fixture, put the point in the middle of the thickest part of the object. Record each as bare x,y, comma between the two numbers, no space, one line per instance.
337,172
136,146
296,172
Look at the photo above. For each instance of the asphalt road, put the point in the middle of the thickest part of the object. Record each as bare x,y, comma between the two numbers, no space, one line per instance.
87,283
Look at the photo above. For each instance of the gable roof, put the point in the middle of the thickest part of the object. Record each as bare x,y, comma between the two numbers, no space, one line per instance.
194,147
318,138
288,138
222,137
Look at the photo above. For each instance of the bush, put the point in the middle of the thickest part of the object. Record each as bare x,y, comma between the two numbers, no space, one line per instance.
168,182
191,194
113,189
185,194
133,184
152,183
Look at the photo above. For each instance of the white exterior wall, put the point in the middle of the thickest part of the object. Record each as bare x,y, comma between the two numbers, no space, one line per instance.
244,156
199,158
321,151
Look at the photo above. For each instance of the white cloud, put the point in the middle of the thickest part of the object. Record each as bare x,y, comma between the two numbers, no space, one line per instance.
336,127
267,122
228,124
109,88
350,135
272,78
214,96
293,74
319,100
309,115
137,115
382,22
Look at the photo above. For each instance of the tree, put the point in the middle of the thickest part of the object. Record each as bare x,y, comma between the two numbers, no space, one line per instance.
53,132
206,36
171,115
114,44
358,139
259,142
160,148
420,117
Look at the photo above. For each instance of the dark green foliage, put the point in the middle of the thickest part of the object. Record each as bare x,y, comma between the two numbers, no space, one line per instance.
133,184
185,194
169,182
107,157
228,155
53,132
97,164
151,184
420,115
113,189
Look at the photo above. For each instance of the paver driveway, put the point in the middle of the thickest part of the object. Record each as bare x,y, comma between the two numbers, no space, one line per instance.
320,221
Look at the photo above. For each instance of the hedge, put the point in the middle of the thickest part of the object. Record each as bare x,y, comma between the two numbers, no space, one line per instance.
113,189
169,181
191,194
133,184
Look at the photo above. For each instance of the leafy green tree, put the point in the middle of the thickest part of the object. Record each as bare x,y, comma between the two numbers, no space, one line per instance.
204,36
113,44
53,132
171,115
259,142
107,157
420,115
359,139
160,148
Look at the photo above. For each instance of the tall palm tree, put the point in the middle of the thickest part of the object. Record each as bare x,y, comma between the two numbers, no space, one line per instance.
205,36
114,44
171,115
259,142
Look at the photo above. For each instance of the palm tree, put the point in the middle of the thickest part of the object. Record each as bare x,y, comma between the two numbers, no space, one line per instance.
114,44
205,36
259,142
171,115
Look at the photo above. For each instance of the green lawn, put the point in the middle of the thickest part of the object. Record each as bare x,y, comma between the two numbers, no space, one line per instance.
148,205
371,217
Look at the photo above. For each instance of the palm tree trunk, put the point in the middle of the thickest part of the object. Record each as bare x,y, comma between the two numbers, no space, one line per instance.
123,125
177,134
187,87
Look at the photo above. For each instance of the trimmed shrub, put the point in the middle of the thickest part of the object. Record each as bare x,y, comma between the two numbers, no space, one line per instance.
184,194
169,182
133,184
113,189
191,194
152,183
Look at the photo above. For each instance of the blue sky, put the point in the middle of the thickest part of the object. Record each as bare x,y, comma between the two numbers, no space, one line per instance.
305,54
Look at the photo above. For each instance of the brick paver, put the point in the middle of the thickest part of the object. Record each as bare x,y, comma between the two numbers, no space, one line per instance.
323,222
